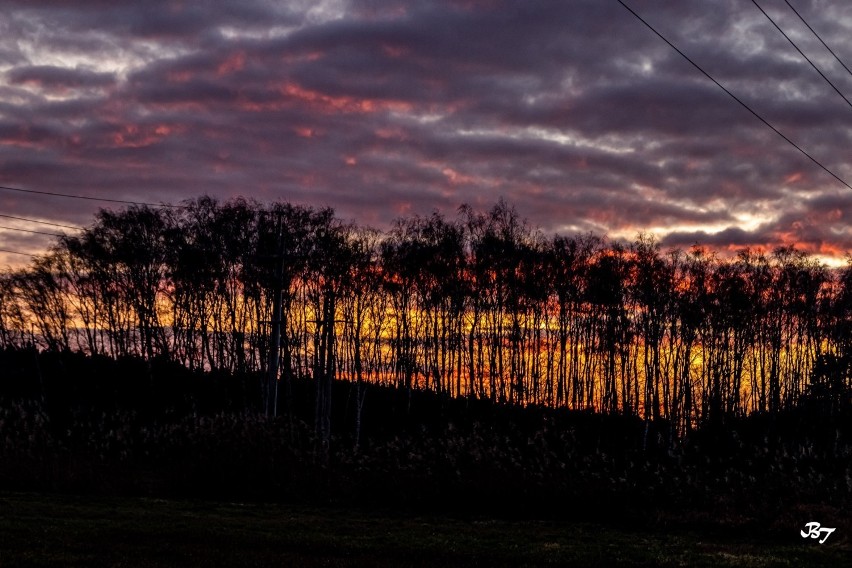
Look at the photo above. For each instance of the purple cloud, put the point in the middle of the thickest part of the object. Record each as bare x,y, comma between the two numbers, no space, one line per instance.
573,111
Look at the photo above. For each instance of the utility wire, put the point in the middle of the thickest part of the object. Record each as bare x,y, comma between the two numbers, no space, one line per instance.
813,31
802,53
737,99
92,198
18,252
42,222
34,232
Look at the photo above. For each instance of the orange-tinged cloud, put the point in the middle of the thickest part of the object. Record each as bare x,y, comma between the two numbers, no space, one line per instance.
457,178
832,250
793,178
330,104
402,207
136,136
232,64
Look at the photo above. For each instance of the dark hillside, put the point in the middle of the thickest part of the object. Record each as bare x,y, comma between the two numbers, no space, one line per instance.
84,424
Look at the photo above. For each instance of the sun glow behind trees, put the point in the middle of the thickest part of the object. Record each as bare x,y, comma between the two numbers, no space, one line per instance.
479,306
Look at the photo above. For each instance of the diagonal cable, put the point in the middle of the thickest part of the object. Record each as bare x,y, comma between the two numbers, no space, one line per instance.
76,228
736,98
802,53
18,189
813,31
31,231
17,252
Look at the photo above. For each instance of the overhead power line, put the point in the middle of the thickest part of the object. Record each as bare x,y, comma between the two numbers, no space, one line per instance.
17,252
802,53
42,222
813,31
737,99
53,194
34,232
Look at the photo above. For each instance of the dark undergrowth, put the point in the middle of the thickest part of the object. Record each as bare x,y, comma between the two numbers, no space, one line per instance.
75,424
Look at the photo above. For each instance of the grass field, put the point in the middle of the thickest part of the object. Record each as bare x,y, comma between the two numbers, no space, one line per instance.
58,530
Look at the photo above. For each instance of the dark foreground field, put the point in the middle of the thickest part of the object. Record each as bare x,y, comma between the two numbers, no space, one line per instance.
134,463
39,529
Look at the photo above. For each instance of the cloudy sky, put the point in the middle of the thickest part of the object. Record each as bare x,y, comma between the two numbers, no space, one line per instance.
573,111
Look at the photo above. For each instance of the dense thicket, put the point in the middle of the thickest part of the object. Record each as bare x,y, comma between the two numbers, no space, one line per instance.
479,306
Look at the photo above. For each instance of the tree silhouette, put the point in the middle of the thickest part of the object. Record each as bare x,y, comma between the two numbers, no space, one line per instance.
481,306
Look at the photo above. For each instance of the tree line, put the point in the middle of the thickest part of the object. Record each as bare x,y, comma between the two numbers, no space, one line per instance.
481,305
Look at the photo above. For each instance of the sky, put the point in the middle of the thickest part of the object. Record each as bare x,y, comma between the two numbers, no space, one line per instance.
574,111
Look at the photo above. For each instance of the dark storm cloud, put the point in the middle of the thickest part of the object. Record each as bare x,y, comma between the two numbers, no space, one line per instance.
573,111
